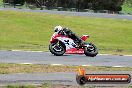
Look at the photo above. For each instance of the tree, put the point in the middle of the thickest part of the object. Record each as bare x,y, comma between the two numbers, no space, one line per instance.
128,2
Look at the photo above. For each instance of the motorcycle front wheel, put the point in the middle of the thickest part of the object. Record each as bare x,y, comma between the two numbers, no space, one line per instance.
91,50
57,49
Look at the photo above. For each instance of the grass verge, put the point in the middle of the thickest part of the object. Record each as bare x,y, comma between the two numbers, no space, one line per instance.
46,85
32,31
22,68
20,86
49,85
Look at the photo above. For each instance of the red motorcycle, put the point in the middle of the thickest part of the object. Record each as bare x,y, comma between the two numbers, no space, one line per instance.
60,44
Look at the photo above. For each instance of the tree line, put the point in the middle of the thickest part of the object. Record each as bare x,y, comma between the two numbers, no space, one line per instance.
112,5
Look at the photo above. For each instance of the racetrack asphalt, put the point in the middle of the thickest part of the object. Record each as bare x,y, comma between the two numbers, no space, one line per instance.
81,14
67,59
63,78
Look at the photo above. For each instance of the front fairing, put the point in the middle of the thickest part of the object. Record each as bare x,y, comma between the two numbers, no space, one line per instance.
54,37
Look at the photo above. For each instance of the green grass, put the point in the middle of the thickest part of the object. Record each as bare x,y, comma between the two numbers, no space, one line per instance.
43,85
22,68
49,85
32,31
20,86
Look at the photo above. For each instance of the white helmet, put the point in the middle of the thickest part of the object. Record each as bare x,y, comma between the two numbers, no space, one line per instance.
57,29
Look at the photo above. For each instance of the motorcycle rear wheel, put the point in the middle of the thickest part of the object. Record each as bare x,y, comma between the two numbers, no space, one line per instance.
91,51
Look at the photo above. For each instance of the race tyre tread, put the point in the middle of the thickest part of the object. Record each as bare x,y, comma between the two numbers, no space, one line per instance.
56,53
91,54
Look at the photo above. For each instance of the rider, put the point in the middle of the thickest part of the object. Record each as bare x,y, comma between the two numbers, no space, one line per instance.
69,33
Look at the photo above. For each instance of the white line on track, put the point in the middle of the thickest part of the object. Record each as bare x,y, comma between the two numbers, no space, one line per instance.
117,66
56,64
44,51
26,63
15,50
26,51
104,54
86,65
63,65
127,55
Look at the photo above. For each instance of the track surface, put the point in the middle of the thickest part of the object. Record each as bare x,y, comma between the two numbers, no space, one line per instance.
48,58
55,78
82,14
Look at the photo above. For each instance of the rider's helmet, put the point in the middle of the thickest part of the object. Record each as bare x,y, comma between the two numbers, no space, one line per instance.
57,29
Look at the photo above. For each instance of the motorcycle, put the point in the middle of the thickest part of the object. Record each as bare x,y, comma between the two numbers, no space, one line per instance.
61,44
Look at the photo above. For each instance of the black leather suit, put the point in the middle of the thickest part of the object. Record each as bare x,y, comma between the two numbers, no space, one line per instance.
72,35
